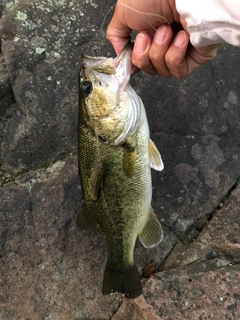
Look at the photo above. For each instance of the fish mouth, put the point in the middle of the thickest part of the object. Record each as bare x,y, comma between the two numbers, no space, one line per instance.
108,66
125,54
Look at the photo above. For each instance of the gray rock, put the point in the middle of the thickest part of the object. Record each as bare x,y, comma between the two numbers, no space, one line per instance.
199,172
220,237
203,279
135,310
6,94
51,270
7,105
42,44
3,5
198,291
48,268
195,292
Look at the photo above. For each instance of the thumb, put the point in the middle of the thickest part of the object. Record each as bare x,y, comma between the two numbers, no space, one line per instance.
118,32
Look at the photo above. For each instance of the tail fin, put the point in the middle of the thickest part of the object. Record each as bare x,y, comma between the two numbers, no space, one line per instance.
126,281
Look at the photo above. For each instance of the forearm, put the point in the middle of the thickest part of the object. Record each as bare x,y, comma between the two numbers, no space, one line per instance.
211,21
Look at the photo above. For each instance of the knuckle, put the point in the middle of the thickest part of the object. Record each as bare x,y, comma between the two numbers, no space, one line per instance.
176,66
138,63
171,61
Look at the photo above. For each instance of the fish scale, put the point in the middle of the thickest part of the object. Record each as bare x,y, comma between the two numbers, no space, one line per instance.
115,174
121,199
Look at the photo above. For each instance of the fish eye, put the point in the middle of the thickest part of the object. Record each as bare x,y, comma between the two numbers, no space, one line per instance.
86,87
103,138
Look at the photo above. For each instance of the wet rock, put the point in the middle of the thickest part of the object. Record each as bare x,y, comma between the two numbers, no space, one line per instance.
51,270
5,84
7,105
6,96
195,292
201,104
175,257
3,5
199,172
48,267
42,44
135,309
155,255
220,237
45,260
195,124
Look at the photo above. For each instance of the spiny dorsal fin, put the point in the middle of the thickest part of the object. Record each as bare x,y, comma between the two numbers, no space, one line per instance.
152,233
155,157
86,220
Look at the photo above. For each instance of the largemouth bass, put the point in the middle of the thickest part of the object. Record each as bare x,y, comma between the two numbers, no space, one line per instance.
115,156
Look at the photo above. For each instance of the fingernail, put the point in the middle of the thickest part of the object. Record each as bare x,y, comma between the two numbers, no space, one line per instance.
160,35
140,45
180,39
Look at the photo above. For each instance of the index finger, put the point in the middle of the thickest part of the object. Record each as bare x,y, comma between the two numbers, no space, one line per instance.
118,32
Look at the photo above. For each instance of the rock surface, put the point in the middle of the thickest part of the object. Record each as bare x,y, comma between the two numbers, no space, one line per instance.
202,279
51,270
42,44
199,291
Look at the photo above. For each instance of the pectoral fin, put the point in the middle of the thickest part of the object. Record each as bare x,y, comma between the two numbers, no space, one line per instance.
86,220
95,180
129,157
152,233
155,157
129,162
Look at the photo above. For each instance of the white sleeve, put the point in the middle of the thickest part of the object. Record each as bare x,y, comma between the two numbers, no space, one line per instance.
211,21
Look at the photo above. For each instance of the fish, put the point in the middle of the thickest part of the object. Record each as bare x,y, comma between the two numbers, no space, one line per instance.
115,158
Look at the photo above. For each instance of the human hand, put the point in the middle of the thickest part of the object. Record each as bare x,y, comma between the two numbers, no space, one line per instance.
159,48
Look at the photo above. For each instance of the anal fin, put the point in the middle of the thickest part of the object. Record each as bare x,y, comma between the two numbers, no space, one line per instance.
152,233
155,157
